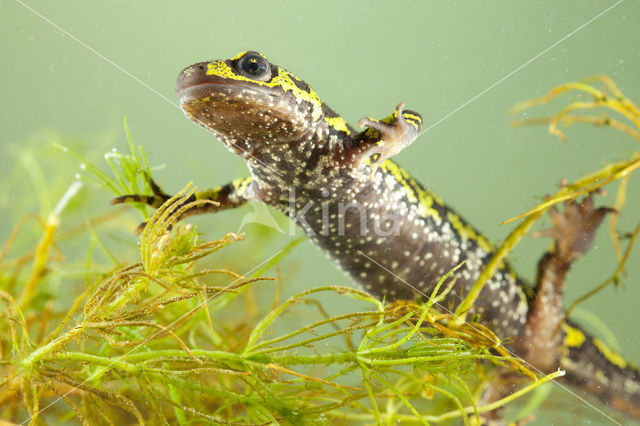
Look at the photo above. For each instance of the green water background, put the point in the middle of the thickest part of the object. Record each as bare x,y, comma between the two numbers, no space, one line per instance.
460,64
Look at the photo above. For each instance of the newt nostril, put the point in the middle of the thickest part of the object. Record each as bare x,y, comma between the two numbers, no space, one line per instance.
191,74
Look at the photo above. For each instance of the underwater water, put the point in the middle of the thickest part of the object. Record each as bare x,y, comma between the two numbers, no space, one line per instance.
71,71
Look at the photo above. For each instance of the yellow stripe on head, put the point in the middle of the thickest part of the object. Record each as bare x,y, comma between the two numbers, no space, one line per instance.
283,80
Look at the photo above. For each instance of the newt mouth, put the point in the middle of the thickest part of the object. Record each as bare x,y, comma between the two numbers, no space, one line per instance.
194,84
238,110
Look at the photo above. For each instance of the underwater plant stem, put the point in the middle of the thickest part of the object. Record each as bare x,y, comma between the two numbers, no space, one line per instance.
167,376
452,398
48,349
489,270
404,418
401,341
402,398
621,199
499,403
259,360
585,185
19,320
269,318
131,363
308,341
116,363
179,353
69,315
311,327
366,381
401,360
40,261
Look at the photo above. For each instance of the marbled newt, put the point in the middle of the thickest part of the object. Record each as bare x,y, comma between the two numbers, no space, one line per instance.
393,236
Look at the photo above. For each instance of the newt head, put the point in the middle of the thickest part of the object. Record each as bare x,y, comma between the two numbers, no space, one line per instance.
249,102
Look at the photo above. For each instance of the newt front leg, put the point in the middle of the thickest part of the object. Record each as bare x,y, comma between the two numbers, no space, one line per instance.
388,136
233,194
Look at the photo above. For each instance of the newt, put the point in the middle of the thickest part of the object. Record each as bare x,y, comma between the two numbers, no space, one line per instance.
385,230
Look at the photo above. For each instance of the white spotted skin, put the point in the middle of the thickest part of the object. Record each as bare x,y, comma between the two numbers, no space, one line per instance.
288,151
402,264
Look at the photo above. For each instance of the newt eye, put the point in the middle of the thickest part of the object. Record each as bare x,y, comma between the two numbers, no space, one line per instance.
254,66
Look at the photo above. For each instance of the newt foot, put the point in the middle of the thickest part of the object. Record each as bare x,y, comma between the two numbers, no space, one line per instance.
395,136
575,227
158,198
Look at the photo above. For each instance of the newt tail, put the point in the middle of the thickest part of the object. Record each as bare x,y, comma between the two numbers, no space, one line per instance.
591,366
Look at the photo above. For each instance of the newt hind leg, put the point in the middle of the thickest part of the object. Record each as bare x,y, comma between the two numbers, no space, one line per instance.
573,231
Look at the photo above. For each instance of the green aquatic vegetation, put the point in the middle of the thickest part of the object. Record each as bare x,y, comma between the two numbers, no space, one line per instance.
164,338
145,343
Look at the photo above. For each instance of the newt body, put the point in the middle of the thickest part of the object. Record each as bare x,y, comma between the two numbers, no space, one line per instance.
379,225
384,229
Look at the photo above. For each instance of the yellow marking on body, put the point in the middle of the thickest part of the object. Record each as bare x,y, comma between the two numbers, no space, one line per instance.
466,231
574,337
401,177
372,133
209,194
389,119
426,205
426,199
523,302
241,184
338,123
610,355
432,198
423,198
284,79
